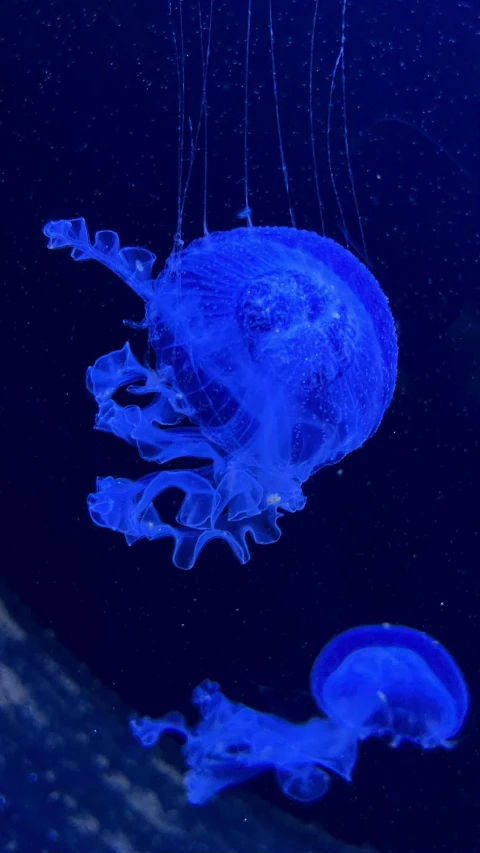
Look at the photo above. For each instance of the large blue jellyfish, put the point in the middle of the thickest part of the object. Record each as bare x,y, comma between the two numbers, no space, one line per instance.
273,354
373,681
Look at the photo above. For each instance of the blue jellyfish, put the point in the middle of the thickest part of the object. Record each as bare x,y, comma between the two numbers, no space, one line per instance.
273,354
371,681
392,681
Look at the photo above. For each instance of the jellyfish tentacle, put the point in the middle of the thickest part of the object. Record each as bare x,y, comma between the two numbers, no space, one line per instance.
133,265
143,426
127,506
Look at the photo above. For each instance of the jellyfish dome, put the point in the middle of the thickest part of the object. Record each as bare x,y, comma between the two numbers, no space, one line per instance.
273,353
393,681
370,681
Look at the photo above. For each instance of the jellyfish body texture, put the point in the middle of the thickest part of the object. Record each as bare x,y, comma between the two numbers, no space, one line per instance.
391,681
372,681
272,353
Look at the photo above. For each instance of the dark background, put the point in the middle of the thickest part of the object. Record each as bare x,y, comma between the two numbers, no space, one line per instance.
89,127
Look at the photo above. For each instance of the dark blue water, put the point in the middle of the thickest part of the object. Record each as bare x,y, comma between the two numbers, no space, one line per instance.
88,127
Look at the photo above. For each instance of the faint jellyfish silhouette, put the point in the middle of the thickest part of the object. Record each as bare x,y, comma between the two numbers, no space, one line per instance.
234,743
372,681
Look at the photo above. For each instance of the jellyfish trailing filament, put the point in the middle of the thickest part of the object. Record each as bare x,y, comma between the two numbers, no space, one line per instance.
233,743
273,354
380,681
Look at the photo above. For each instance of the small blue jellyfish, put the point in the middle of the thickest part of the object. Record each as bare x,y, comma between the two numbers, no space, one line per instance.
392,681
372,681
273,354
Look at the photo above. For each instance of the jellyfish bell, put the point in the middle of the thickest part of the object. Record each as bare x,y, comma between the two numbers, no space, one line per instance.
391,681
